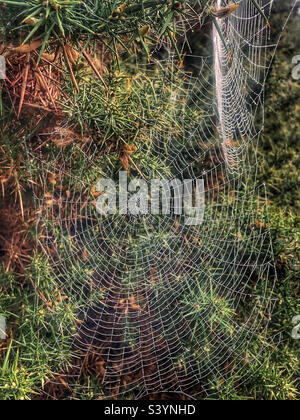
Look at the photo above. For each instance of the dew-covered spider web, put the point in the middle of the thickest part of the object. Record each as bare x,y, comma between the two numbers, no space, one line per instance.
153,305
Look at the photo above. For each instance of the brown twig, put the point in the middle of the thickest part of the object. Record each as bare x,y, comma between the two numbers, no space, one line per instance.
136,167
70,69
90,61
24,84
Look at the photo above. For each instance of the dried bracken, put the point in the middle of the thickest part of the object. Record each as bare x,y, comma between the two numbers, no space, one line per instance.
32,85
37,82
16,245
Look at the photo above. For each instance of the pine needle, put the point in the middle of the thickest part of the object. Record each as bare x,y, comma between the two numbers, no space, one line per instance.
70,68
90,61
24,84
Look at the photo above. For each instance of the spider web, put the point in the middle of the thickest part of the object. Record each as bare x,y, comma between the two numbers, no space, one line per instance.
161,306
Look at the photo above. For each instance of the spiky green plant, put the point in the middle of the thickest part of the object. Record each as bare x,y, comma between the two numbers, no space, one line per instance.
122,111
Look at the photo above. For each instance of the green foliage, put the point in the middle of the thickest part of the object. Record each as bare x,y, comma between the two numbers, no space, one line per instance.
280,149
126,112
43,323
107,21
41,317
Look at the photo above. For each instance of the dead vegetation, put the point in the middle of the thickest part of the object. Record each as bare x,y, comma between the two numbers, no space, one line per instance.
36,81
16,245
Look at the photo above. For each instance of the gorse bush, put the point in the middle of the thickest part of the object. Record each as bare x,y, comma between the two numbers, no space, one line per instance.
97,307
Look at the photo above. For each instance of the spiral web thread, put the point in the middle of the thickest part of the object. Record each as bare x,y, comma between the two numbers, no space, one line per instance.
157,303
